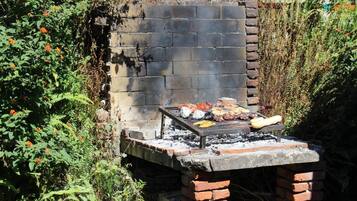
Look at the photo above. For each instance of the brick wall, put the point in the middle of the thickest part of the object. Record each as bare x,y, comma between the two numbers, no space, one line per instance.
187,51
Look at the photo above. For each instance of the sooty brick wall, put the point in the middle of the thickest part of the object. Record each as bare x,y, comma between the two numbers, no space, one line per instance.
187,51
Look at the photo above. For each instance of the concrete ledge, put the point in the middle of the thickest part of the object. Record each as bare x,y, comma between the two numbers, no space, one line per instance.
209,161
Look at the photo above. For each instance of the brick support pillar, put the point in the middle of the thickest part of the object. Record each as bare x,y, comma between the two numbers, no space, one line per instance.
300,182
205,186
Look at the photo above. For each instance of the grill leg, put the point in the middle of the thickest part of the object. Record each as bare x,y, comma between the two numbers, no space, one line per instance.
202,142
162,126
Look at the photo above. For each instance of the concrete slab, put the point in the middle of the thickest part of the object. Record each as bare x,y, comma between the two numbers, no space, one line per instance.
209,161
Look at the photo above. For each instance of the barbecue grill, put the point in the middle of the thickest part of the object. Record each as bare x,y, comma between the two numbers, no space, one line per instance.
226,127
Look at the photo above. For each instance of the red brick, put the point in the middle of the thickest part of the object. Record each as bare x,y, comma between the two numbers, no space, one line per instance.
302,196
252,65
205,185
251,30
252,39
220,194
203,195
251,3
299,187
252,100
252,73
252,56
252,83
300,177
252,47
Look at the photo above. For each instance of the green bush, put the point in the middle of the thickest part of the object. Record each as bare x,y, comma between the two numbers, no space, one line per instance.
309,74
47,148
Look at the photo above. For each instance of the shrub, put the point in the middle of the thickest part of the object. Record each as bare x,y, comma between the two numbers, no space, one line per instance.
309,74
47,149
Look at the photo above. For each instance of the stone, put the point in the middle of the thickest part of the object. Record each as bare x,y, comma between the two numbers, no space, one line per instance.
208,12
185,67
159,68
203,54
233,12
145,39
253,92
236,40
184,40
183,11
233,67
157,11
209,40
252,82
251,4
136,135
232,81
179,26
252,74
231,53
252,100
180,53
209,68
123,99
178,82
141,25
252,56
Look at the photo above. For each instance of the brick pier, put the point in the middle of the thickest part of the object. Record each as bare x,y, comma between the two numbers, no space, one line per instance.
300,182
205,186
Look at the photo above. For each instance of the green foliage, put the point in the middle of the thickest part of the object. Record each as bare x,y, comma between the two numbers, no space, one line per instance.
47,148
309,74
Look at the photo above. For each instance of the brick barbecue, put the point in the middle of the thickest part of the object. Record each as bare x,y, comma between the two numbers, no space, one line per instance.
167,52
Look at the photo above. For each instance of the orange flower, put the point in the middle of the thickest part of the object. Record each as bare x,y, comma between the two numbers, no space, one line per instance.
62,57
45,13
38,161
38,129
12,112
58,50
13,66
48,47
43,30
11,41
47,151
28,144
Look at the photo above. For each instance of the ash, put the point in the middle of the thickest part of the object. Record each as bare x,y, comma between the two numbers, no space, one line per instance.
180,138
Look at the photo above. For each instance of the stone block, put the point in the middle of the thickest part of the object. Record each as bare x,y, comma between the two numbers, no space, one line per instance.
135,113
118,70
237,40
252,12
251,30
121,84
252,39
184,40
252,47
210,95
228,26
233,12
233,67
183,11
209,40
123,99
142,39
208,12
251,22
207,26
178,82
202,54
155,54
159,68
252,56
155,98
252,65
205,82
179,53
183,96
238,93
185,67
232,80
141,25
209,68
230,53
179,26
157,11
